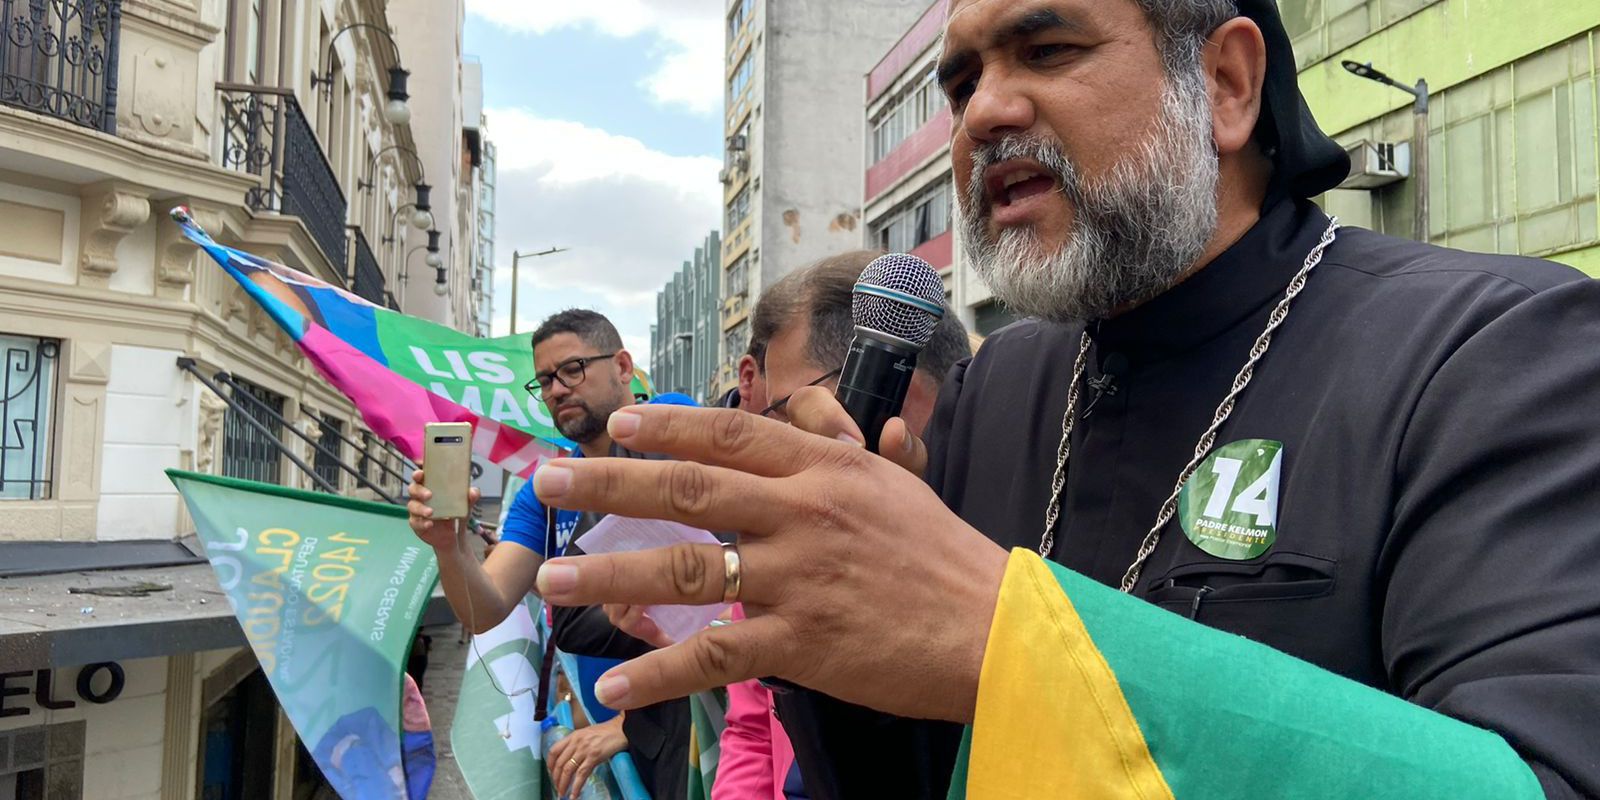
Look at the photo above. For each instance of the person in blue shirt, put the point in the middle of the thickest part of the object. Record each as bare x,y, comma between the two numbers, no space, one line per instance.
583,375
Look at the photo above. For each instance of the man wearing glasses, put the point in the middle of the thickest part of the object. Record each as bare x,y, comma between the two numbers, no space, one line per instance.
583,375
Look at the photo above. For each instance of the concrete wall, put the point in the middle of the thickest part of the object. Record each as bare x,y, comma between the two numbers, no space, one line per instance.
429,33
813,155
150,422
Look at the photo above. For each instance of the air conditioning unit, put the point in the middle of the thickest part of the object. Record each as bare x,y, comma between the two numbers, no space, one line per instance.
736,143
724,177
1375,164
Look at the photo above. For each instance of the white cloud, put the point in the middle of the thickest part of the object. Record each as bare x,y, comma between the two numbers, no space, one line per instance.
689,33
629,214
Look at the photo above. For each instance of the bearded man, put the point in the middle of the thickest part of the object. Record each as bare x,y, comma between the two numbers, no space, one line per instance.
1359,472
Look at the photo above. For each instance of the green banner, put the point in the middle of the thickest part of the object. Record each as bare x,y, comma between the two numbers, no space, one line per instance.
494,736
329,592
485,376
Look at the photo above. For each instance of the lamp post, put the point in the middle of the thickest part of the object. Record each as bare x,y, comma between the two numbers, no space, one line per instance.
396,111
516,260
1419,138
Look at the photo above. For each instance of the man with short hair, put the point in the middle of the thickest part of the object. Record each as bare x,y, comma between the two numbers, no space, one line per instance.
584,375
806,323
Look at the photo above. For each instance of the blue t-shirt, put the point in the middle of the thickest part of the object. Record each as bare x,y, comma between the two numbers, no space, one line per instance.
526,525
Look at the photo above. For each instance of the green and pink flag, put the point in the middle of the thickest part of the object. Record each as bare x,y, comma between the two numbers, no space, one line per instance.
402,372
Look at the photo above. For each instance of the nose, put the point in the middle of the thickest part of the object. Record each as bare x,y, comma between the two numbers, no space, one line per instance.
997,107
557,392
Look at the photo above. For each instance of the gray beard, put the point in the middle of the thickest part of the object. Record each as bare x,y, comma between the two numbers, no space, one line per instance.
1135,233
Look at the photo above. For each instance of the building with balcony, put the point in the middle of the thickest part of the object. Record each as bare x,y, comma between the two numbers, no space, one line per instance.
792,182
126,351
686,338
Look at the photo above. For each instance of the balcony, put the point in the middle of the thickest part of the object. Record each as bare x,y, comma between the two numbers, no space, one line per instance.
265,133
369,276
60,59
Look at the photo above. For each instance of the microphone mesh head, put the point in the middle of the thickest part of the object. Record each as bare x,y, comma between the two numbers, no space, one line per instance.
903,274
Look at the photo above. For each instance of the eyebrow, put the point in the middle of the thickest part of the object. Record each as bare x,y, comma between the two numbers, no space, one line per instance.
1029,24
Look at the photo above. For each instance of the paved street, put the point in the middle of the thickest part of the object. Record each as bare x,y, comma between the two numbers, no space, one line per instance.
439,687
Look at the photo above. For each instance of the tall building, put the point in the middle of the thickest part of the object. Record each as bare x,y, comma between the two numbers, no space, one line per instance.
483,267
907,204
450,144
1513,136
126,351
684,338
792,185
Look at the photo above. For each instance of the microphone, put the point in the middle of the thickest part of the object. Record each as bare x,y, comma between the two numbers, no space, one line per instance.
896,306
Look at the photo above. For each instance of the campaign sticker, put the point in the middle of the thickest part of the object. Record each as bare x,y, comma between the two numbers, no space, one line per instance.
1229,507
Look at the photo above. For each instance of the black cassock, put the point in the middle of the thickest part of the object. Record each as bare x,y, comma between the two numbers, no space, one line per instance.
1438,514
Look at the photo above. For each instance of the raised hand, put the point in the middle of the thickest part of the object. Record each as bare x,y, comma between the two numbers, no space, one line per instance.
857,580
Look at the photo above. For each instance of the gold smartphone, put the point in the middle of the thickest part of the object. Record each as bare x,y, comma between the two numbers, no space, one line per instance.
447,467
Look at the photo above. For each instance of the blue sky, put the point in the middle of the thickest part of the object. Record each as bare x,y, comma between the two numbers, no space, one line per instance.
607,120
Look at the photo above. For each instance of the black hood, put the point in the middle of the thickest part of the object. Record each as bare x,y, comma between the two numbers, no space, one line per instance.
1306,162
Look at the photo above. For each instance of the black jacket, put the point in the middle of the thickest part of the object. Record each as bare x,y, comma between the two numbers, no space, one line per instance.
1438,523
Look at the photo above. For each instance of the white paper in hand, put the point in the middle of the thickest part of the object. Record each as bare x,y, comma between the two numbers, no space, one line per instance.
616,534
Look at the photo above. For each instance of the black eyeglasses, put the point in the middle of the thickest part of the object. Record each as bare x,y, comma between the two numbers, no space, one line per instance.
779,406
570,373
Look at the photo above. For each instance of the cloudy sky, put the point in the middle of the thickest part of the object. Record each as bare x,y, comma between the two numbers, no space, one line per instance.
607,117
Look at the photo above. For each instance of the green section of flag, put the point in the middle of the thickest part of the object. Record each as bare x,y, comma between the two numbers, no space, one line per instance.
707,718
329,592
1276,726
494,736
486,376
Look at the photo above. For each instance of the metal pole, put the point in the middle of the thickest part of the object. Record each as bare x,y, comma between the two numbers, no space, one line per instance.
188,365
232,384
516,258
256,401
1419,160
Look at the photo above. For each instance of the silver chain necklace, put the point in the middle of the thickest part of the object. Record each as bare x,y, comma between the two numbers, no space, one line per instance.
1207,439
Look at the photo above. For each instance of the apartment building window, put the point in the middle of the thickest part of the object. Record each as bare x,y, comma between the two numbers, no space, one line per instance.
741,78
739,277
330,450
27,415
738,209
737,340
250,39
247,452
739,16
926,216
905,114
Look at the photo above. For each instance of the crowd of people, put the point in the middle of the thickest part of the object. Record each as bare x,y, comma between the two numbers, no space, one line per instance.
1385,457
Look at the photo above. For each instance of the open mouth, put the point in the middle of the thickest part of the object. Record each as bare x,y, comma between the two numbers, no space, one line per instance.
1012,182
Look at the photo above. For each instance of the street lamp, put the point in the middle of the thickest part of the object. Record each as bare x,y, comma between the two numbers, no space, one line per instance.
516,260
1419,139
395,111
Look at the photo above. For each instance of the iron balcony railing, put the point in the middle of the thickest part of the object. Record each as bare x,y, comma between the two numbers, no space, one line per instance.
265,133
269,424
369,276
59,57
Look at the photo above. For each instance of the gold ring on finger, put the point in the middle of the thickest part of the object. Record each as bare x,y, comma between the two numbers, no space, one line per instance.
732,579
